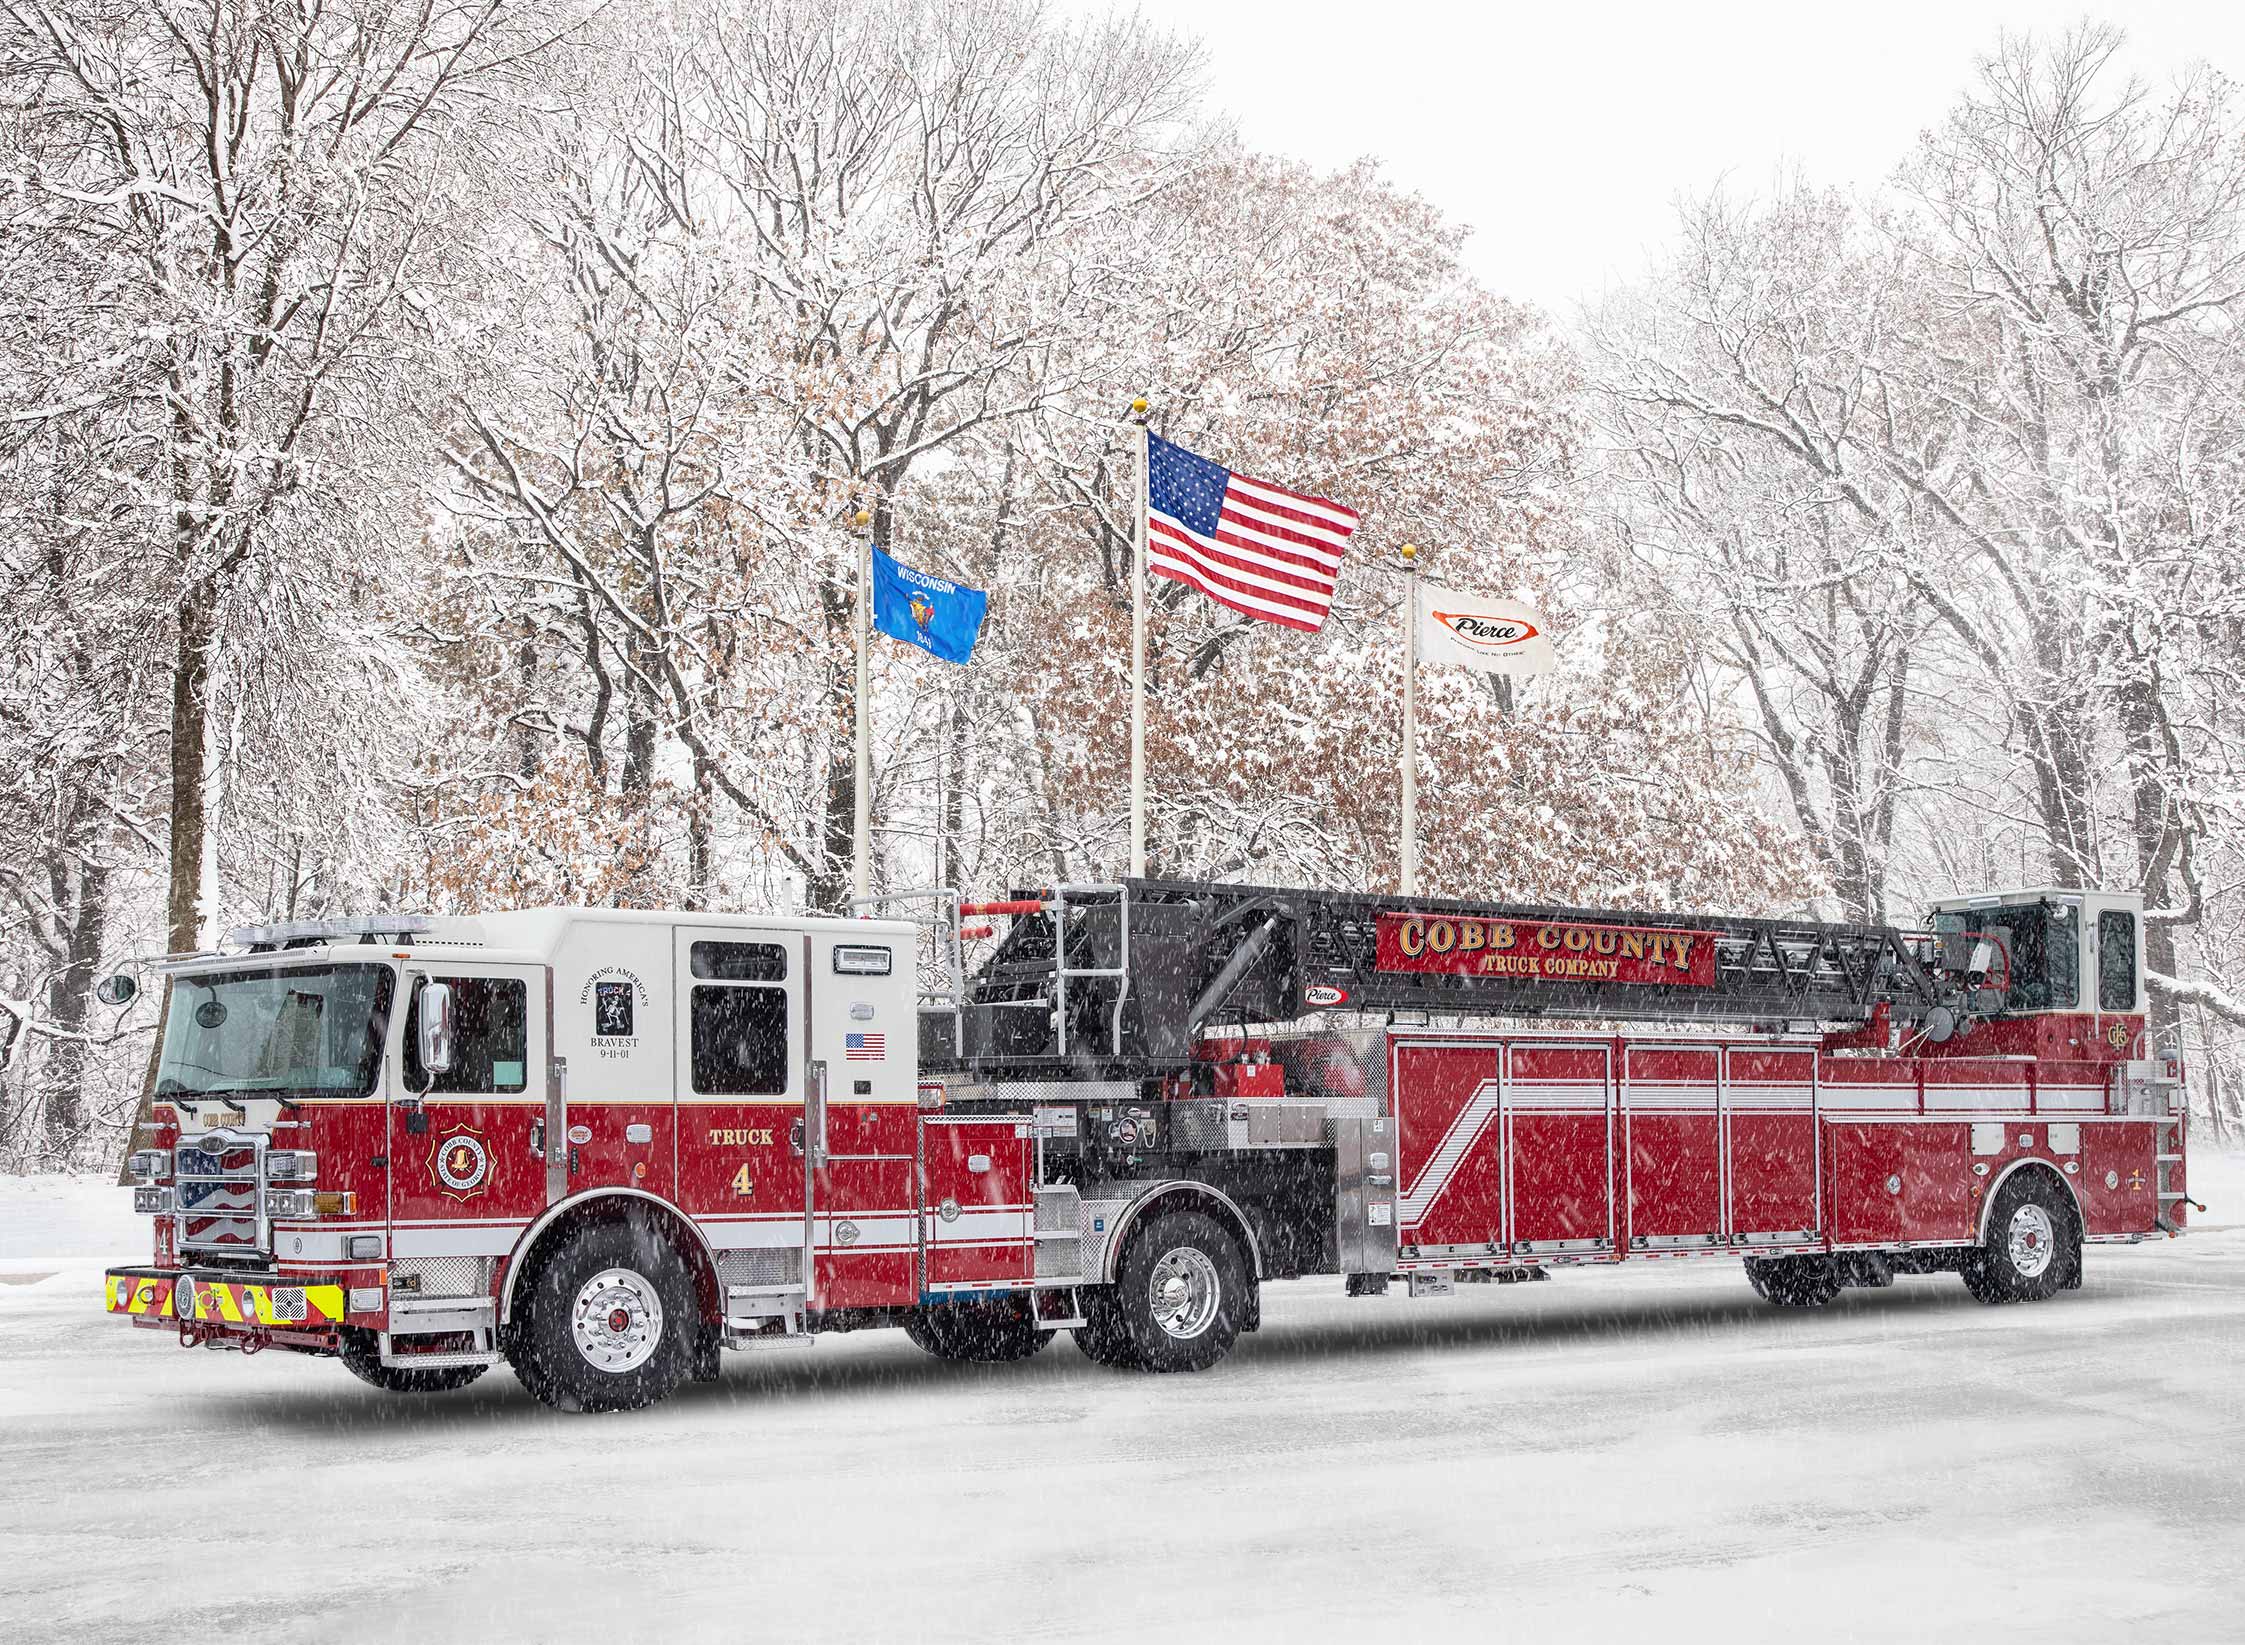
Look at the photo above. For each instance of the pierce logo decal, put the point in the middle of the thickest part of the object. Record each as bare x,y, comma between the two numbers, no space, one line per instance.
1486,633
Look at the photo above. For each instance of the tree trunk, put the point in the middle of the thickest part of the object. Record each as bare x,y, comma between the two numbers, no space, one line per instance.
828,886
70,1010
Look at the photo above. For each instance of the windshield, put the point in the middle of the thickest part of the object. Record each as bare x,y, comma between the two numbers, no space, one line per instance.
312,1030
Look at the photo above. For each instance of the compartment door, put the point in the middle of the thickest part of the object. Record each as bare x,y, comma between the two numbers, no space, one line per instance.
1769,1119
978,1202
1449,1183
1559,1144
1671,1107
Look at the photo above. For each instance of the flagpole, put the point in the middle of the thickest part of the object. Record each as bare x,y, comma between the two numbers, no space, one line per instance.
1410,883
1138,657
861,834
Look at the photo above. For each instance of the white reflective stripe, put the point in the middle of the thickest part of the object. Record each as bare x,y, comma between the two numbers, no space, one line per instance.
1572,1096
979,1227
1967,1097
1472,1119
1638,1095
488,1240
1771,1096
1867,1097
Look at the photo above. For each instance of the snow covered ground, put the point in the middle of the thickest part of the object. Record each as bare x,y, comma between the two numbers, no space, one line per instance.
1620,1455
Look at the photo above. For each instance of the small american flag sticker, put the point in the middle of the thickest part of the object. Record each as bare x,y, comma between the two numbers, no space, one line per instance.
864,1047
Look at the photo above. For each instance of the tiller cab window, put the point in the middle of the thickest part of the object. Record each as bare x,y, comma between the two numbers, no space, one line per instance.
282,1031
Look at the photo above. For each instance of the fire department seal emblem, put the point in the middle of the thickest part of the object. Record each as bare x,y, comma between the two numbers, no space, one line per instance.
461,1163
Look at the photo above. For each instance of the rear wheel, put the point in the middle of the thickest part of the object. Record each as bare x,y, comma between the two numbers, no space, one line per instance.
1794,1282
988,1332
1181,1294
2033,1242
607,1322
361,1354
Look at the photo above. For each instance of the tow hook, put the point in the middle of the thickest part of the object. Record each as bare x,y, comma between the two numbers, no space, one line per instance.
198,1336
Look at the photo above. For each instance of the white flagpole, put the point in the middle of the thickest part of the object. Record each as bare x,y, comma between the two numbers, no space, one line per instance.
1410,884
1138,659
861,836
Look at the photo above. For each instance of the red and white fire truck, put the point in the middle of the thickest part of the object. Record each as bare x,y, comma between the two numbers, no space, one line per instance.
604,1145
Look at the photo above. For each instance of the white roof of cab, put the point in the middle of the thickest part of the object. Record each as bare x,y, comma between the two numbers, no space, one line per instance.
521,936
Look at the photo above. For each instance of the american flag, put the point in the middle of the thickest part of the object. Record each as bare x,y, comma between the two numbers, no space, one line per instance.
864,1047
1262,550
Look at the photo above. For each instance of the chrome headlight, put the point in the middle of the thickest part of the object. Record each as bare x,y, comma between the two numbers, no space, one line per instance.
291,1204
147,1164
152,1202
291,1165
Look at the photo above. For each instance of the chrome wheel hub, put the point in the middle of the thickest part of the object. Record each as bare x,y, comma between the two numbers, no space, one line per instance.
1183,1292
617,1321
2031,1240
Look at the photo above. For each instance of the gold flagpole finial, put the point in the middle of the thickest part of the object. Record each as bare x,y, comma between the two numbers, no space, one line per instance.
1138,406
1410,553
861,518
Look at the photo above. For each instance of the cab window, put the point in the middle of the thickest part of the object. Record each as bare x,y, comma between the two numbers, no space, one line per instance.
738,1019
2116,961
491,1038
2044,941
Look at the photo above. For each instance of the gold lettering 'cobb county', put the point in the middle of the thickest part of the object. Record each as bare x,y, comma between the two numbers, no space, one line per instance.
1544,950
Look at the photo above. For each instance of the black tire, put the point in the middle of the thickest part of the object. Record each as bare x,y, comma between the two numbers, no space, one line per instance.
640,1327
989,1333
1182,1293
2033,1245
1794,1282
361,1354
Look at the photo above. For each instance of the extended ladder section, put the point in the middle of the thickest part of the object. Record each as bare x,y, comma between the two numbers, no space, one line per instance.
1120,980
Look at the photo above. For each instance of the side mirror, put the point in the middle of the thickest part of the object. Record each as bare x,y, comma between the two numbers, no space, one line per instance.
435,1044
117,989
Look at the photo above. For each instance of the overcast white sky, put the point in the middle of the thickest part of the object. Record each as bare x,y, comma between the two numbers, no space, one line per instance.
1563,133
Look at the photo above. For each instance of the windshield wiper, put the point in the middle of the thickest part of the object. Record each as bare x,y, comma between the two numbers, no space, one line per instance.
213,1093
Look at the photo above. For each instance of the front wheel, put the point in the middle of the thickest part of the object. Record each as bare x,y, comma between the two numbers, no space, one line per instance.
1181,1294
2033,1242
608,1321
361,1354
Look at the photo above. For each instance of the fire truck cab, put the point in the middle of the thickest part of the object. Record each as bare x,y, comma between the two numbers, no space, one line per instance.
602,1145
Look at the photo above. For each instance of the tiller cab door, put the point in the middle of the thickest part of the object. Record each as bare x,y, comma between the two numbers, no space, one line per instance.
469,1143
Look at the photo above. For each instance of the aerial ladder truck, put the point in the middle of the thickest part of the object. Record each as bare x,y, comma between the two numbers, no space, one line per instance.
602,1146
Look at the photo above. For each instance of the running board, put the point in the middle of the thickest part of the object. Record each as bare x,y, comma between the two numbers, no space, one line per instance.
476,1318
764,1313
1071,1315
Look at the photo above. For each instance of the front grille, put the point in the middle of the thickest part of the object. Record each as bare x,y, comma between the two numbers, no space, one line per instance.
218,1193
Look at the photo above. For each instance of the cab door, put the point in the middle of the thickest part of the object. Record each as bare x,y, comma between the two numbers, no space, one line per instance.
741,1078
466,1148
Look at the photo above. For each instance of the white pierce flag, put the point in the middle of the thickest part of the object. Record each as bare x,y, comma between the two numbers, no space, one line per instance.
1475,631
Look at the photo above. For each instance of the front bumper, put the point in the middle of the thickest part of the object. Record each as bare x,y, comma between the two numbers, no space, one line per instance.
154,1295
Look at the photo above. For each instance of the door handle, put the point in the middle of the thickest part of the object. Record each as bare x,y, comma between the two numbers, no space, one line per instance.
538,1136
